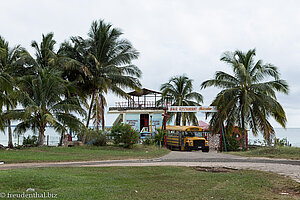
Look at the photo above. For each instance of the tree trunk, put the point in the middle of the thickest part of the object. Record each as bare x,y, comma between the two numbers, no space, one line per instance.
89,117
10,143
61,138
177,120
243,133
41,136
90,110
102,112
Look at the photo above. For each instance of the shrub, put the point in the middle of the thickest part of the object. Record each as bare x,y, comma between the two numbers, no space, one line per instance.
232,144
95,137
148,141
123,133
159,137
30,141
282,142
99,140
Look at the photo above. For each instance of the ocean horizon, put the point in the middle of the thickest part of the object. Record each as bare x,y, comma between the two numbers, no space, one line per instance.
291,134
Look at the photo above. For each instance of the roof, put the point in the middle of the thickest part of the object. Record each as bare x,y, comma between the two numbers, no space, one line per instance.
142,92
203,125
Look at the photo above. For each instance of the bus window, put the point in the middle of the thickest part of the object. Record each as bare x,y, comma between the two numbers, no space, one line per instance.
189,134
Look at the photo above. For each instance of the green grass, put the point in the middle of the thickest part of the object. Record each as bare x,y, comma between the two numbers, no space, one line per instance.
272,152
148,183
59,154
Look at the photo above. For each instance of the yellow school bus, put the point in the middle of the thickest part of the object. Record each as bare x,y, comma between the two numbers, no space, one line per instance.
186,138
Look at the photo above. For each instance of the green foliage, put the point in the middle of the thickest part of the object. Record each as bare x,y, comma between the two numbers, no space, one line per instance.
248,96
99,140
179,90
106,60
232,144
281,142
125,134
53,86
286,152
159,137
94,137
10,65
148,141
30,141
44,105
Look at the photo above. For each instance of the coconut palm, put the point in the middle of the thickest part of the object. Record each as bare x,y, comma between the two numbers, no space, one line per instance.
248,96
44,52
179,90
10,63
47,98
43,102
107,59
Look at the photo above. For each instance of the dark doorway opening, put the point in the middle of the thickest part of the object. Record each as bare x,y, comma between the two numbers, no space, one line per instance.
144,121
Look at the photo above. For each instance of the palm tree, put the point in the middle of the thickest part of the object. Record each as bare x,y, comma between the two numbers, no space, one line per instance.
248,96
179,90
10,62
107,62
47,98
43,102
45,55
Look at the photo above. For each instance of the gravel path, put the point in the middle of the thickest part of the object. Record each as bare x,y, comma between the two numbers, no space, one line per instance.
290,168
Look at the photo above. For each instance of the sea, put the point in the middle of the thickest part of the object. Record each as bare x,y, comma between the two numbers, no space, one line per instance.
291,134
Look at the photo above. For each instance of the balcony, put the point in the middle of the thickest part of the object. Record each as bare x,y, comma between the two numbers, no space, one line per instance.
140,105
143,99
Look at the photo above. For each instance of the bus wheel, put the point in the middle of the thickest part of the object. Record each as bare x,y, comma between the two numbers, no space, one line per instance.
205,150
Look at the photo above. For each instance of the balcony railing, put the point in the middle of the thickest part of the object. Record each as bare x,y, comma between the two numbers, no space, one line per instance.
138,104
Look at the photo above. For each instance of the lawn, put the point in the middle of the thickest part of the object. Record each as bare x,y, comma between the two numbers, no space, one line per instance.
272,152
59,154
148,183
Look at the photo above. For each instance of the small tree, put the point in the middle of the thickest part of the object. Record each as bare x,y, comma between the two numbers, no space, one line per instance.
159,138
124,133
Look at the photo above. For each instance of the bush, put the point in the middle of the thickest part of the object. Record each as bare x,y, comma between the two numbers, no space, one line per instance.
99,140
232,144
96,138
282,142
30,141
159,137
123,133
148,141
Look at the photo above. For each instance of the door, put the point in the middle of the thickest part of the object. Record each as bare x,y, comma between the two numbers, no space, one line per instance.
144,122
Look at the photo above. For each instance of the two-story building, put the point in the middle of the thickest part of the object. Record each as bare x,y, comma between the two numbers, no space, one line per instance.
144,110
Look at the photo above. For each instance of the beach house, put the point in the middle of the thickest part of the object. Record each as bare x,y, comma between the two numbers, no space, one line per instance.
144,111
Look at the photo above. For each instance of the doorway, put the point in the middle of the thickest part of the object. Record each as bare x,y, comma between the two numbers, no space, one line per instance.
144,121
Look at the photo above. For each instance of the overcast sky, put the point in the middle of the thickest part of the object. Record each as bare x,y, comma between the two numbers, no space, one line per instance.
174,37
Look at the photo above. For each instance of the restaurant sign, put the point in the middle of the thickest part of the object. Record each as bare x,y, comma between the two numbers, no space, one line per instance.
192,109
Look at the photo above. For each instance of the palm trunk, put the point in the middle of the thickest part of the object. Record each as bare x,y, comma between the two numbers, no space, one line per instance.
243,133
62,137
88,118
178,117
90,110
102,112
10,143
41,136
